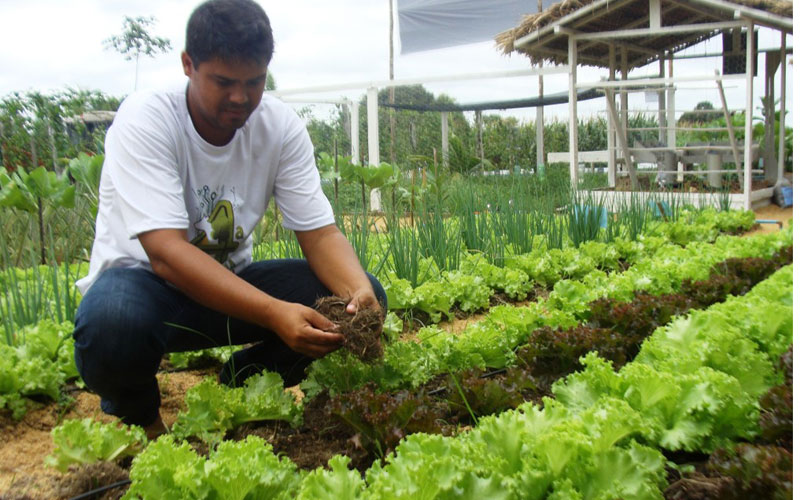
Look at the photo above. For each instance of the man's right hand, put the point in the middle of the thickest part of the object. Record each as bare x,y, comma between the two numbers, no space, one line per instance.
304,330
206,281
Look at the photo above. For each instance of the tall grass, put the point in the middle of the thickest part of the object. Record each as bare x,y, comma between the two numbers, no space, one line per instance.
584,218
34,292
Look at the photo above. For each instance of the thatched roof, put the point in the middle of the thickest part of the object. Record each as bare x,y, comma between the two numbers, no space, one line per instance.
542,42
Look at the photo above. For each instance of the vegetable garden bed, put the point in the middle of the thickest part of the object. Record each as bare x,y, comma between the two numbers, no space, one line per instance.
503,409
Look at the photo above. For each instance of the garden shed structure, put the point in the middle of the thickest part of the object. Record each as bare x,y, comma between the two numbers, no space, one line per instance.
621,35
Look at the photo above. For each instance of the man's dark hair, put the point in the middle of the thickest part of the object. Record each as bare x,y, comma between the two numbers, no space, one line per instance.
231,30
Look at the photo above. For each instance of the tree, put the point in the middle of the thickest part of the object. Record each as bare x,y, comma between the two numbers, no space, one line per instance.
135,40
270,85
701,114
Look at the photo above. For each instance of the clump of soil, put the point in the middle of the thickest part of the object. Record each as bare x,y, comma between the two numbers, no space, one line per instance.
362,330
84,478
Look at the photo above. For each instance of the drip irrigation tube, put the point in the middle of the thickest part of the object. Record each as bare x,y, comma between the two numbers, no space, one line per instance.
485,375
102,489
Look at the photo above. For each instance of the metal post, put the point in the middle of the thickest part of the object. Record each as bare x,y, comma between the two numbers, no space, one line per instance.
672,136
445,140
373,147
540,119
782,125
354,132
573,110
748,131
662,104
623,94
540,128
610,130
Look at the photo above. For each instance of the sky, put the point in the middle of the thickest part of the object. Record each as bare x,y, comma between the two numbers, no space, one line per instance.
49,45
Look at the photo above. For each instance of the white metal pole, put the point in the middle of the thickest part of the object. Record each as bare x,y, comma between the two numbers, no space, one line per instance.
573,110
672,137
540,119
445,140
610,130
623,94
748,131
662,103
782,125
540,128
373,146
354,132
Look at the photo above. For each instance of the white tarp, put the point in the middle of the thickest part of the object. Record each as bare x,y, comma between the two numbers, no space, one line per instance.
433,24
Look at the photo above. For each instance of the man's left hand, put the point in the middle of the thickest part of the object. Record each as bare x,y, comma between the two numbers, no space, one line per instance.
363,298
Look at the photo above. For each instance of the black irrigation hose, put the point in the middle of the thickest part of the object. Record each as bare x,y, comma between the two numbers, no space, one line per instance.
102,489
483,375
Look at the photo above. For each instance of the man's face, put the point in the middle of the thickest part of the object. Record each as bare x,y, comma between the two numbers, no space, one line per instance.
222,95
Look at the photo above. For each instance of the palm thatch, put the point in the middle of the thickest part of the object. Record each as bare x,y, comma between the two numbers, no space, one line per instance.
611,15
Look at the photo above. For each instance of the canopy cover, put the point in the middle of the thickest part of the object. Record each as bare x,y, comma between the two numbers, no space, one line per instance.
434,24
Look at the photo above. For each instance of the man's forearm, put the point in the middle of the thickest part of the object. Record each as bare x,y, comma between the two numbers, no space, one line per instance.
207,281
333,260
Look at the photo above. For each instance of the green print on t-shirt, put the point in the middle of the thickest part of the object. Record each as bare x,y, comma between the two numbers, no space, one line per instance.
222,241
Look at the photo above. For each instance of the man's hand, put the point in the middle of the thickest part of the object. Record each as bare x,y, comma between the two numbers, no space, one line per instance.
305,330
363,298
335,263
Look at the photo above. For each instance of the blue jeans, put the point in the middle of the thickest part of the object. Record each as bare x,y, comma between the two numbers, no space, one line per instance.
129,318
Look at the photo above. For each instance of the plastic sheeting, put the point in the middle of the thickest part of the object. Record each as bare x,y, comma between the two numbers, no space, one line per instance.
434,24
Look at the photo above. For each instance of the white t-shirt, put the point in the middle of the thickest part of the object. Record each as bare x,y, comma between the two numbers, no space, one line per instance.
160,173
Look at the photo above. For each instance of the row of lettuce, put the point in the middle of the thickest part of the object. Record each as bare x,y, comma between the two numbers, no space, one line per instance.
36,358
490,343
694,386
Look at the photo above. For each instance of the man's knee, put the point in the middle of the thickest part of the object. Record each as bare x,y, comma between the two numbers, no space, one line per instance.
116,329
380,293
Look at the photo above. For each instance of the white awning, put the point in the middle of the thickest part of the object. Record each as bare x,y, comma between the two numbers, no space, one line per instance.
434,24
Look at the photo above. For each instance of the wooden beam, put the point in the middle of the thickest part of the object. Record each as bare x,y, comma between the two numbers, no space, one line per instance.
561,54
537,36
635,24
629,46
729,126
664,30
622,140
699,9
655,14
656,82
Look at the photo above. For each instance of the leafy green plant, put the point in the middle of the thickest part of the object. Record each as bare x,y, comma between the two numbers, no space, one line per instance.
213,409
87,441
86,170
32,191
38,362
234,469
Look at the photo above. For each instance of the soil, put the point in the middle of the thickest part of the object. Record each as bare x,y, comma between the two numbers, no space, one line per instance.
362,330
773,213
319,438
24,444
